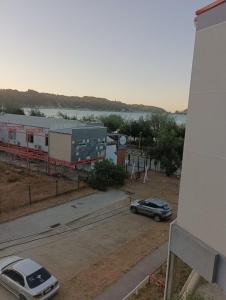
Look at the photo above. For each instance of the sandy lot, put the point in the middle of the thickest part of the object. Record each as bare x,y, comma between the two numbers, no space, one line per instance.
14,191
107,244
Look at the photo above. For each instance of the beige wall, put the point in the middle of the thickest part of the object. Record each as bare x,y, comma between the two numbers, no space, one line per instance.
60,146
202,203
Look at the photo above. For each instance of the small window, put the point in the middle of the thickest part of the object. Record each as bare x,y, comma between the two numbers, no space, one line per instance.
153,205
30,138
12,135
47,140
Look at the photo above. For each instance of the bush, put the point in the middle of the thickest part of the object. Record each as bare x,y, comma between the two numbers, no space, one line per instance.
13,179
106,174
35,112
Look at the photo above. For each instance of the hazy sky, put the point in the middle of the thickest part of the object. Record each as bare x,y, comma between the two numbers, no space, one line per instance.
136,51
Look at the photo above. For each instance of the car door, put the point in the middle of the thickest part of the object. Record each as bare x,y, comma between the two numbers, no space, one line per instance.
145,209
14,281
150,208
141,207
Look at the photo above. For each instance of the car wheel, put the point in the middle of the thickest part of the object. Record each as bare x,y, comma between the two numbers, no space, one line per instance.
22,297
134,210
157,218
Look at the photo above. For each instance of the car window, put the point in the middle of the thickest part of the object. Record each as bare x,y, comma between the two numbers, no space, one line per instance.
152,205
18,278
141,202
37,278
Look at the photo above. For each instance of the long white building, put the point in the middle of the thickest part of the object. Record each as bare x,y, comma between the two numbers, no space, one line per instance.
55,140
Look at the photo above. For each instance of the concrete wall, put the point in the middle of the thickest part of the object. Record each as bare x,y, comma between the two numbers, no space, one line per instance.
202,202
111,153
60,146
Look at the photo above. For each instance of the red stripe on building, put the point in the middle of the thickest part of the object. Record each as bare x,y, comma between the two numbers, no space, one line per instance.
210,6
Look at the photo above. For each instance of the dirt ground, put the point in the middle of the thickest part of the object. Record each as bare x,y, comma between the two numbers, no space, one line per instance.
136,243
14,191
88,260
152,291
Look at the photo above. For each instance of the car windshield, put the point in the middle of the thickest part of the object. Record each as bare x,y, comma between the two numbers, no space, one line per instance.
166,206
37,278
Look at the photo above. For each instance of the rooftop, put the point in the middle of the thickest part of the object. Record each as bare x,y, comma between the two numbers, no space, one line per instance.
209,7
69,130
26,266
40,122
156,201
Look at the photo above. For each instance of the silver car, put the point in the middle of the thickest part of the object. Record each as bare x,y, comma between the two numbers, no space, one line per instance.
153,207
26,279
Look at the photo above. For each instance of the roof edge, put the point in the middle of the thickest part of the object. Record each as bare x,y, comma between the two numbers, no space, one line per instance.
209,7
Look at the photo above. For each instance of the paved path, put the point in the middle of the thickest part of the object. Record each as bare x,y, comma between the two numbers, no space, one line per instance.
131,279
62,214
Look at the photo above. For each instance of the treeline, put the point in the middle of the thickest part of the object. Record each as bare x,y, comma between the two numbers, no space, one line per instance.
159,135
30,98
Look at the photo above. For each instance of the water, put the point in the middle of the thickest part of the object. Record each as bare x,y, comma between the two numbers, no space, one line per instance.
79,114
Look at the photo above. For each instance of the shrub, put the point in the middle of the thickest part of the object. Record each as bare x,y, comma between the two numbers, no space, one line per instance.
106,174
13,179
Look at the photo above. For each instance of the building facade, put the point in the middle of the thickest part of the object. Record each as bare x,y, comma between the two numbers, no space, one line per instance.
198,236
55,140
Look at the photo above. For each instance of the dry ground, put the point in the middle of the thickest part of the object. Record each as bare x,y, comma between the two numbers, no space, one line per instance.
14,191
153,292
139,237
89,260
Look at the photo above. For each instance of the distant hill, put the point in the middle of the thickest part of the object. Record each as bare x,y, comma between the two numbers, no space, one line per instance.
183,112
32,98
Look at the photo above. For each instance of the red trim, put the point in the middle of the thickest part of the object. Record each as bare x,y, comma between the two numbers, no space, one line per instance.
208,7
34,154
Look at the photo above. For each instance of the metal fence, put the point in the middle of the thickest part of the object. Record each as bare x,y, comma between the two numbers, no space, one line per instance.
137,161
28,194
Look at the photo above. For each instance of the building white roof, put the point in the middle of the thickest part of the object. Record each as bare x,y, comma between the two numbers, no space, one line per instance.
40,122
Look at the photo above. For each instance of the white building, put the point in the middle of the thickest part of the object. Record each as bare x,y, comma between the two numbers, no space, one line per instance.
198,237
53,140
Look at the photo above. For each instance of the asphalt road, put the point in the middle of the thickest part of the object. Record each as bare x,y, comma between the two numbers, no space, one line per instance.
60,215
39,224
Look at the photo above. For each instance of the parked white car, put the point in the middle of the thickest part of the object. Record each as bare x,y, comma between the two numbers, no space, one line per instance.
26,279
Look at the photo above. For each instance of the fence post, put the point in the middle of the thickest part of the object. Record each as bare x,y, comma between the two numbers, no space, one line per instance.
29,191
78,183
56,187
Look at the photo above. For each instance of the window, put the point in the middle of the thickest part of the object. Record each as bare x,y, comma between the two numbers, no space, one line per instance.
37,278
12,135
14,276
153,205
47,140
30,138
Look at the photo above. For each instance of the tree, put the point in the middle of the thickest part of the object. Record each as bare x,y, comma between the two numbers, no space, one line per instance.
66,117
35,112
169,148
106,174
112,122
14,110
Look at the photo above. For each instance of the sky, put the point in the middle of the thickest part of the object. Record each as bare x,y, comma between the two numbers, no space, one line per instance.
135,51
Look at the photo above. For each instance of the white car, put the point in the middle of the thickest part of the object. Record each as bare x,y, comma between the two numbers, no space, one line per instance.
26,279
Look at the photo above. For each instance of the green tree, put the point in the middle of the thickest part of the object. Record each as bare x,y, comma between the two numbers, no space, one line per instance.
14,110
66,117
106,174
35,112
112,122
